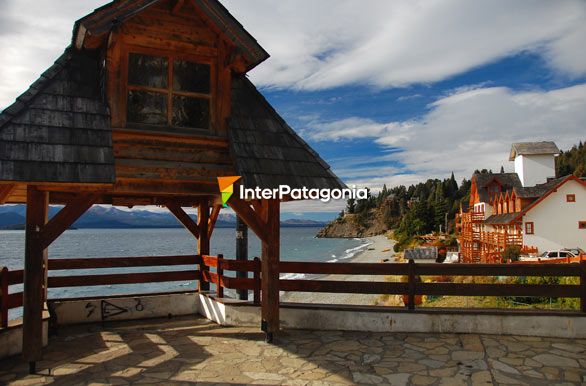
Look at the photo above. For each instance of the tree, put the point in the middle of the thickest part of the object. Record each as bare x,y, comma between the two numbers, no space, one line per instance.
351,206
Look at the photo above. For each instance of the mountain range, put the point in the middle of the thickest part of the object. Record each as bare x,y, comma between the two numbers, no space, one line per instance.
13,217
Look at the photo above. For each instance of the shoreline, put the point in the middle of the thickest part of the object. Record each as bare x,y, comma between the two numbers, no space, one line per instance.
373,253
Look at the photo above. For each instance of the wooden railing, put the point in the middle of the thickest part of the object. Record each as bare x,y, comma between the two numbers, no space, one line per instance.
14,300
8,300
411,286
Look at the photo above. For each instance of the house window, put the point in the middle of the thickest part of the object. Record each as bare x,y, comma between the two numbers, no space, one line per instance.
581,224
570,198
168,91
529,228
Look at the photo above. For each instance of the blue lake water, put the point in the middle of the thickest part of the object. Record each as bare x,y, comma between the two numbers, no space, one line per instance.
297,244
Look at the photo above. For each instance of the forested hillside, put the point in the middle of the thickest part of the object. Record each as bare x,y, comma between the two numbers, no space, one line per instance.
425,207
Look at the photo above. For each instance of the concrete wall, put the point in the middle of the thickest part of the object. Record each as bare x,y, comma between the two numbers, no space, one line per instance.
556,221
11,337
535,169
125,308
385,320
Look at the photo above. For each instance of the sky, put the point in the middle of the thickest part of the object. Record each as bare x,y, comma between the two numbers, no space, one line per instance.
387,91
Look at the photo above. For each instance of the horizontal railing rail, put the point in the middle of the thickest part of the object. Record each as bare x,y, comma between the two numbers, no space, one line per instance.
411,285
13,277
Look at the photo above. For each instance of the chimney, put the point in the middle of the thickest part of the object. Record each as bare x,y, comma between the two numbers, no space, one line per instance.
534,161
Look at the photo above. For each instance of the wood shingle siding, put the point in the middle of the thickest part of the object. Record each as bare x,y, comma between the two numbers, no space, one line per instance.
267,152
59,130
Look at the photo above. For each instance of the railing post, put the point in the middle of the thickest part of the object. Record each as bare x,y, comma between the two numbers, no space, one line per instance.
219,274
4,297
411,285
583,286
256,295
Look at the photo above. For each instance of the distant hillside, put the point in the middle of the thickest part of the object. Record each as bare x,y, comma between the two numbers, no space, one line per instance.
100,217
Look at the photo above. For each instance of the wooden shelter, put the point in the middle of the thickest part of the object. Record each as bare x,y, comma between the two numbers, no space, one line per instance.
148,106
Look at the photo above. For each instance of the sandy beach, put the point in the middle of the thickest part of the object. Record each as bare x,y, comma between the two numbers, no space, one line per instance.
372,254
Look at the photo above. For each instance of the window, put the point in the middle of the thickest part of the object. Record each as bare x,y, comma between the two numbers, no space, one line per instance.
529,228
168,91
563,254
570,198
581,224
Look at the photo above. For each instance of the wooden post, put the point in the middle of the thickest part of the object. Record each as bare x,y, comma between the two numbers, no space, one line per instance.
411,285
270,270
203,242
582,265
257,283
241,252
4,297
219,274
34,277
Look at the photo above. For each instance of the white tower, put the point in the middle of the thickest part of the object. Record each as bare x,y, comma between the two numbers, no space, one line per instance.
534,161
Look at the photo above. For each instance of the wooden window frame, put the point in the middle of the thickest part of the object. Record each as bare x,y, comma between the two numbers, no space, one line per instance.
582,225
170,55
570,198
529,228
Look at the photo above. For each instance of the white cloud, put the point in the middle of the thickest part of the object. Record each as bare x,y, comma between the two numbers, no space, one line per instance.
328,43
316,45
467,130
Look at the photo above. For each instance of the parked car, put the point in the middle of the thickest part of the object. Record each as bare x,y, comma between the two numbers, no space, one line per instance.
574,252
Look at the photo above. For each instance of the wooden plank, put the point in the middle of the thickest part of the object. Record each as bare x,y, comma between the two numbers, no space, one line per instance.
15,300
241,265
219,280
203,242
183,218
498,269
34,275
237,283
66,217
122,278
411,285
5,192
213,218
386,269
122,262
249,216
336,286
4,297
15,277
210,261
270,270
458,289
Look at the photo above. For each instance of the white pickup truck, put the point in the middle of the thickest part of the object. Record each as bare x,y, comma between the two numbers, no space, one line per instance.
557,254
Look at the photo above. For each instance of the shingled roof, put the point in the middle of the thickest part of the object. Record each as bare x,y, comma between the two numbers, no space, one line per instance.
106,17
59,129
508,181
538,190
267,152
533,148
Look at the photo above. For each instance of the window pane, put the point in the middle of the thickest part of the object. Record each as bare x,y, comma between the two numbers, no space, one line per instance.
192,77
147,107
191,112
149,71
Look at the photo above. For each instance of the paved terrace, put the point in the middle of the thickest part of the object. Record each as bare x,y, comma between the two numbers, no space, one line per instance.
190,350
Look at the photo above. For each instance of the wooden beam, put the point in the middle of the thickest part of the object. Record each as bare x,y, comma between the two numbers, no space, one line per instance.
249,216
183,218
34,276
213,218
66,217
203,242
177,6
5,191
270,270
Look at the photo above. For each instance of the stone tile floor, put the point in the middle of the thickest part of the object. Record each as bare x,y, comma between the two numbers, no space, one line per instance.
194,350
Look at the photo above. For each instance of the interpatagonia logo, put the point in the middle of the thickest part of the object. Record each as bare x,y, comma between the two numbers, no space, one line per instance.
227,188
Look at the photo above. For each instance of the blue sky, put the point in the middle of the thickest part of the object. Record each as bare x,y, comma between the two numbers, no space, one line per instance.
388,92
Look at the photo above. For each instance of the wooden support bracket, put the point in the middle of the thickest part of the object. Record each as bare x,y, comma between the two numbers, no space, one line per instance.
183,218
